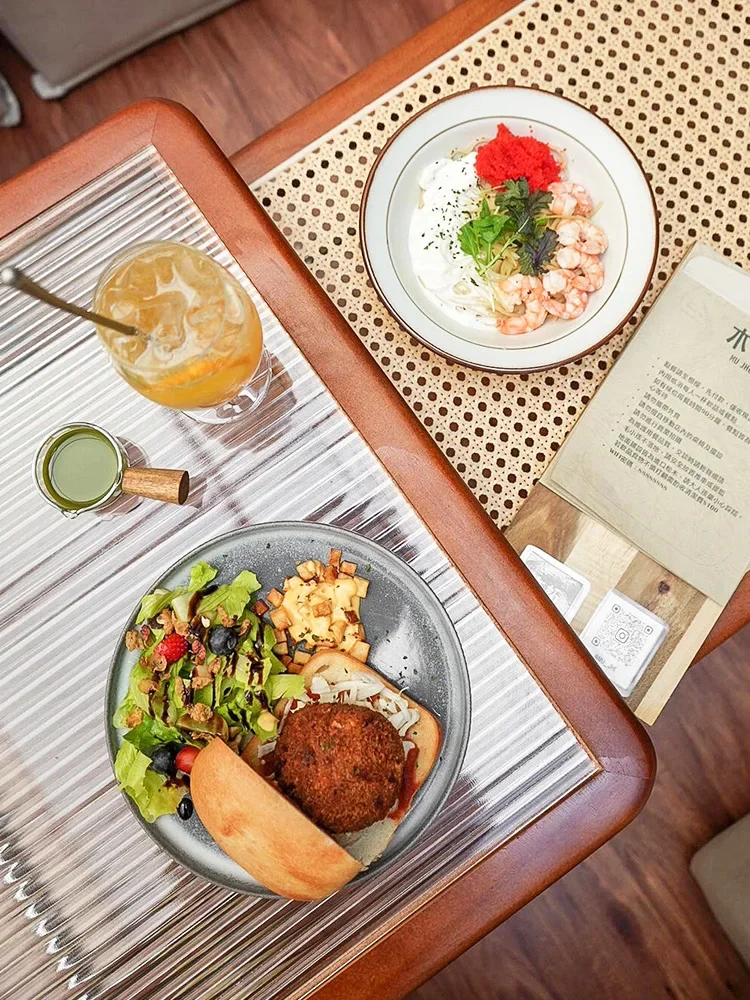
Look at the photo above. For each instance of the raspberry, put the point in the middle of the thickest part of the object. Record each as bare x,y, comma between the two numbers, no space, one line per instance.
172,647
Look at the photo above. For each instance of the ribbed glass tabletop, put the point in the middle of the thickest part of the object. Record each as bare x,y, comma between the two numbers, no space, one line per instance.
90,907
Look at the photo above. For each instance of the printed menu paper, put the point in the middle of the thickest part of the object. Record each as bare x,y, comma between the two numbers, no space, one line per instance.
662,453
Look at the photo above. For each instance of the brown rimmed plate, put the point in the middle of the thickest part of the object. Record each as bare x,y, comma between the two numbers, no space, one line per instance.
595,157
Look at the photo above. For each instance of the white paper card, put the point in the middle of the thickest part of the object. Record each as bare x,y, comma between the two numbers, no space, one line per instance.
565,588
623,636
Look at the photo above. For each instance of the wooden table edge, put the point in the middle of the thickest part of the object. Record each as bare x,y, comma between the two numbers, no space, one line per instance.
604,803
479,900
311,122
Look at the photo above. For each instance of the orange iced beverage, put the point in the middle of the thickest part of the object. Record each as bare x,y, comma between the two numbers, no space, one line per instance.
203,340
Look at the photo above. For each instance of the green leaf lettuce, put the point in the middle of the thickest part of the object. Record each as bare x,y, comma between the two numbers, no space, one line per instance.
231,596
145,787
152,604
152,733
201,575
285,686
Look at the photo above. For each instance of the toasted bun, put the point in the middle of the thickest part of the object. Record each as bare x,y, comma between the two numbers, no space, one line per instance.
367,845
263,831
268,836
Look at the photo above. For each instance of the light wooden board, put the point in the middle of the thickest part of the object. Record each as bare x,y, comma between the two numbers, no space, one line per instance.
610,562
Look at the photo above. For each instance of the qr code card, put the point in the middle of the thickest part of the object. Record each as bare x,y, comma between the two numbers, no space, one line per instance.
623,638
565,588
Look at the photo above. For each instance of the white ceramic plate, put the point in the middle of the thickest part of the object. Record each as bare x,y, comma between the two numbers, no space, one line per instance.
596,158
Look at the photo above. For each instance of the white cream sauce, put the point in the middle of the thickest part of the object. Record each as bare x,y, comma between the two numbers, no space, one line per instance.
449,197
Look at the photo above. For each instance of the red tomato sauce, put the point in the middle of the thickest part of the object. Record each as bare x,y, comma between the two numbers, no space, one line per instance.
408,784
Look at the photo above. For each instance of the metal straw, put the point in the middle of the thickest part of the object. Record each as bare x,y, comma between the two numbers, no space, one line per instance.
13,277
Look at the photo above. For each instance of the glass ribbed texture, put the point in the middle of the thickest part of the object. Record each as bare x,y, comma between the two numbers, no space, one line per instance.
89,907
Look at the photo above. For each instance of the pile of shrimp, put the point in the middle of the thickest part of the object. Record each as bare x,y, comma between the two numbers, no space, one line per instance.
575,271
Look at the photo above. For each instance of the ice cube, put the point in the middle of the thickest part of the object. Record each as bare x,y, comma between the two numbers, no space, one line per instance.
205,321
119,303
200,275
171,336
230,339
166,309
164,269
236,306
129,349
141,278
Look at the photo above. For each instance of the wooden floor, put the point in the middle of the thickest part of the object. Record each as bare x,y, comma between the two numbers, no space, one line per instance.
629,923
240,72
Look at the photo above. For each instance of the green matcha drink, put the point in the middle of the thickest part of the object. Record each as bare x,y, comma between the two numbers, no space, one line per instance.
78,466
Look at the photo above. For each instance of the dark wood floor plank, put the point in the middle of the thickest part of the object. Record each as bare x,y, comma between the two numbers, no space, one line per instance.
241,72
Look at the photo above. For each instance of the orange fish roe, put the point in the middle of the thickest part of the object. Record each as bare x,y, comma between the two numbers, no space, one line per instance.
510,157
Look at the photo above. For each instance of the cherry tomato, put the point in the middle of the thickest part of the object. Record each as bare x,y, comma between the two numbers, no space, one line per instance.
186,758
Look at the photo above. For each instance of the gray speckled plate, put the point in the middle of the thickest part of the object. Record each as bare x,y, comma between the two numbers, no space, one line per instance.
413,642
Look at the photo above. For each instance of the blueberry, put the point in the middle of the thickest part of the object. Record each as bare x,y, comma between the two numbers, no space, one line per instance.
185,808
162,760
222,640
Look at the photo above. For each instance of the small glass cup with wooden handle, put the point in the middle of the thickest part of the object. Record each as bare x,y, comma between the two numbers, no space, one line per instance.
81,467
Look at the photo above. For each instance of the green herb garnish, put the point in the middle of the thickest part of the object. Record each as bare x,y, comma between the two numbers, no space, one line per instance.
478,237
525,209
519,220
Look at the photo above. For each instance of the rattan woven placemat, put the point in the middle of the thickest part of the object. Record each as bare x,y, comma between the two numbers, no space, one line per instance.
671,78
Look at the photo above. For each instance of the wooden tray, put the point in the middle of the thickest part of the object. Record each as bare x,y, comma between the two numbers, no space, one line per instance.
512,866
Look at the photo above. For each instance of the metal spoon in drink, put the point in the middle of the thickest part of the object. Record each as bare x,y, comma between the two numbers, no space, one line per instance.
13,277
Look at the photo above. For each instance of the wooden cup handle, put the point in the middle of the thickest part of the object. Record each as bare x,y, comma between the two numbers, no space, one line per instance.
168,485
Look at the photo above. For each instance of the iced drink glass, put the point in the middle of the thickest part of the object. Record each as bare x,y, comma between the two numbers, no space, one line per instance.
202,344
